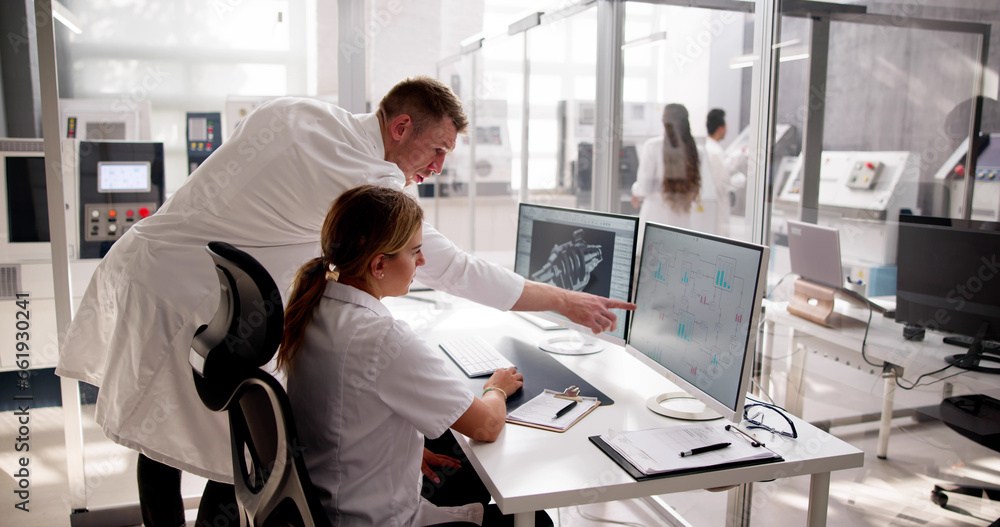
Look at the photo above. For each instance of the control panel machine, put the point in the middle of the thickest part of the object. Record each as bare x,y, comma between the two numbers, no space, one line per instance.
986,190
860,194
204,135
107,187
119,183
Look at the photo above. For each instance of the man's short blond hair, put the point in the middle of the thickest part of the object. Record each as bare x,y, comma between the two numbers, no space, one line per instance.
426,101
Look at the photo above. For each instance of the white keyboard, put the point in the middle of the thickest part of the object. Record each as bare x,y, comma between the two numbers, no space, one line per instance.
475,356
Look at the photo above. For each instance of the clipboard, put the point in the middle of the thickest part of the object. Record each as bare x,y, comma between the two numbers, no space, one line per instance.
639,475
537,412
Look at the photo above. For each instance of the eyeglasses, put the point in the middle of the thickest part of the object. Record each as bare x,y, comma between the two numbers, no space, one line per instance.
764,411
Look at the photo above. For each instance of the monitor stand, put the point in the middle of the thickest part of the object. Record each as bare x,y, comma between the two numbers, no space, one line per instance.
976,359
680,405
573,343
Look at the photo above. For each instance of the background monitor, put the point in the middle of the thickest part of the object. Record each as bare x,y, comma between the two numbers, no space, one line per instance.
24,223
814,251
579,250
124,176
698,301
948,279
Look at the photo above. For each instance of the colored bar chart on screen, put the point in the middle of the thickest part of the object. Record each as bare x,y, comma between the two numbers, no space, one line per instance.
685,272
724,269
659,273
684,326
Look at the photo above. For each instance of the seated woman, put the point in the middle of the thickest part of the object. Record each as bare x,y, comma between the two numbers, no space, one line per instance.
364,389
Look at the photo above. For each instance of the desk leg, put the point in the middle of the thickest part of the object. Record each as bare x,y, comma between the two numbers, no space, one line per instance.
819,499
795,387
885,425
524,519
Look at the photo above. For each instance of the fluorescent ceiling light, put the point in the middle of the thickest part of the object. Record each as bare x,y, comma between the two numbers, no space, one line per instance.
786,55
785,43
655,37
64,15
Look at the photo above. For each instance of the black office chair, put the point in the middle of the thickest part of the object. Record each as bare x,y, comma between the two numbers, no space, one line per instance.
976,417
272,485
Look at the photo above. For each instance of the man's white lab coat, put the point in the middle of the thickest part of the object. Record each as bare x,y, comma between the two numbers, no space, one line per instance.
266,191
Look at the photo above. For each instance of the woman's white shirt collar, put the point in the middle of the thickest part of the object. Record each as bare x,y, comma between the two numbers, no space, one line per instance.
353,295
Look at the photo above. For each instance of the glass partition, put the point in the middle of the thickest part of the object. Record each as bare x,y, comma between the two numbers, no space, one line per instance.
691,59
896,109
473,202
872,118
563,77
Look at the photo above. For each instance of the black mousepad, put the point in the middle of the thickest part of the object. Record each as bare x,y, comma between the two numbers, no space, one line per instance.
541,371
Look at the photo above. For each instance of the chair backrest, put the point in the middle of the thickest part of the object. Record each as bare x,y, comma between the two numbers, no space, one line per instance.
272,485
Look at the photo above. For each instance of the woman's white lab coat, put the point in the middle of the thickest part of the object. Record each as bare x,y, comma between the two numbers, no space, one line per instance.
266,191
649,186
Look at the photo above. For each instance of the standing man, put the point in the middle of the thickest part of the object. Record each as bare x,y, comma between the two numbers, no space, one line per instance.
725,178
265,191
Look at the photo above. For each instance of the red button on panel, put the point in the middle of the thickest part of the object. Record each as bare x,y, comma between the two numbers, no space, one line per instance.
129,213
143,212
869,165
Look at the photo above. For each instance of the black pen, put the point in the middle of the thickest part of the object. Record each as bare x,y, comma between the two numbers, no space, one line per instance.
703,449
565,410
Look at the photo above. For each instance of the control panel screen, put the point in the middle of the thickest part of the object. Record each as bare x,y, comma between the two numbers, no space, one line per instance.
123,177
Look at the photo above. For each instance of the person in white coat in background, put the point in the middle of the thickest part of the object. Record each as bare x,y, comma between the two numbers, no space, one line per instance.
266,191
671,186
724,174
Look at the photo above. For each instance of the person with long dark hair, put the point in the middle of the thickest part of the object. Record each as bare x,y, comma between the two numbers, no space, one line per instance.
669,186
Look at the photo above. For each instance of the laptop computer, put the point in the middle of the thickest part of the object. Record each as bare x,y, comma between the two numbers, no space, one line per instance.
815,256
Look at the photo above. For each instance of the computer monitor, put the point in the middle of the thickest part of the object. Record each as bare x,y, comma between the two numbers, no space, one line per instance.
698,301
947,280
579,250
24,225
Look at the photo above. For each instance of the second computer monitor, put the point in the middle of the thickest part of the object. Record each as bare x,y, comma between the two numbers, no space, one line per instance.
698,300
579,250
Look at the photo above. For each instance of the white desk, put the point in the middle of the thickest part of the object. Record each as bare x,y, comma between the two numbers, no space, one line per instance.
885,344
528,469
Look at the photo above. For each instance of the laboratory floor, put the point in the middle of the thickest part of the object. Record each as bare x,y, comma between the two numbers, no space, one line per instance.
894,491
